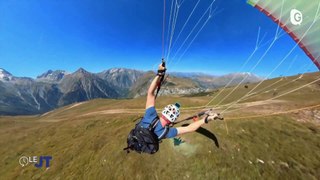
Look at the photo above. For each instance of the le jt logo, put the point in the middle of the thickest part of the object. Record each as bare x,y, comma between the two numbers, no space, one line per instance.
43,160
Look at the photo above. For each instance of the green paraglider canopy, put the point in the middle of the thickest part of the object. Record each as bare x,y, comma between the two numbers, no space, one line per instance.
299,18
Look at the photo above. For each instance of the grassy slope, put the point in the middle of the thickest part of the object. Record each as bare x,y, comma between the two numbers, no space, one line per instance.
301,98
90,146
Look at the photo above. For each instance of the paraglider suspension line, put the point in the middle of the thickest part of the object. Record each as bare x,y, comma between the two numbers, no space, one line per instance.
163,25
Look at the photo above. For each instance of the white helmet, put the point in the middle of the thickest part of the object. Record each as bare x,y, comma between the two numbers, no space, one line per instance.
171,112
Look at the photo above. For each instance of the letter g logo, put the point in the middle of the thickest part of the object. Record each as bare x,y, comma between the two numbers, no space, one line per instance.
296,17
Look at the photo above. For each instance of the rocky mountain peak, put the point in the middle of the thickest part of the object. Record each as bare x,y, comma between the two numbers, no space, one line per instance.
5,75
81,71
51,75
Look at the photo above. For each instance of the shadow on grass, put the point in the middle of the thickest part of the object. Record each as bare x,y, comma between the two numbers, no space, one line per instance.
206,133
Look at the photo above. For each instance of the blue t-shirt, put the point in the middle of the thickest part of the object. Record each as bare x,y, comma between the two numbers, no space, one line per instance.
149,116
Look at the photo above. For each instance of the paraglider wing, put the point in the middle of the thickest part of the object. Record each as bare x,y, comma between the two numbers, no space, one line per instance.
299,18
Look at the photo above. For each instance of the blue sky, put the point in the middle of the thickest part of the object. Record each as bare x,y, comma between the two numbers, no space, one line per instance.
36,36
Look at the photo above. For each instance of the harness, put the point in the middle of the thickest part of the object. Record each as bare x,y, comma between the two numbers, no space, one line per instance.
144,140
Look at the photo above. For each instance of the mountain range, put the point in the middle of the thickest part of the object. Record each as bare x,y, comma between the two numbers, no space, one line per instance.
53,89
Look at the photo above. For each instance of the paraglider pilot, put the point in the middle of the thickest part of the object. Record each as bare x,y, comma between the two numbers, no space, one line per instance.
147,134
170,113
